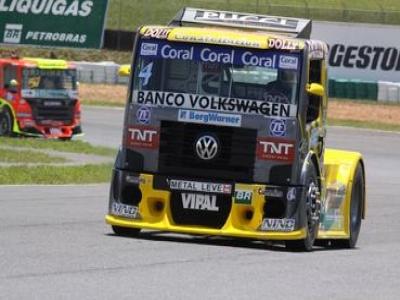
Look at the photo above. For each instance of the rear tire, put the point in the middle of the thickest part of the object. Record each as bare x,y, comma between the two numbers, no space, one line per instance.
356,210
125,231
312,206
6,123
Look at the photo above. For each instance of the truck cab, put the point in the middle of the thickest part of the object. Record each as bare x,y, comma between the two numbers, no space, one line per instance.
39,97
224,133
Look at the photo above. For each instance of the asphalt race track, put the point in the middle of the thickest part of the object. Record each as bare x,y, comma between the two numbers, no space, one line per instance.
54,243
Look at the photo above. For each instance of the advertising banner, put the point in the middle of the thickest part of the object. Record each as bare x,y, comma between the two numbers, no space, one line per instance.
53,23
361,51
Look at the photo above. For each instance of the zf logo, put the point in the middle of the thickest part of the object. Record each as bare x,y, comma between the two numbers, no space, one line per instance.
277,127
143,115
12,33
143,137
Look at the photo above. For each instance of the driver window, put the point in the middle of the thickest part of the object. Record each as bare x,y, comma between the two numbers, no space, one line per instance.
10,72
314,102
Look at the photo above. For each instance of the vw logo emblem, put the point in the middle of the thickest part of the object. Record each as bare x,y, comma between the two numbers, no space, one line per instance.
206,147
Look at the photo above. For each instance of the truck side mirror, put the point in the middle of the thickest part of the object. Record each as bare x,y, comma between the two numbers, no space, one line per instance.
124,70
315,89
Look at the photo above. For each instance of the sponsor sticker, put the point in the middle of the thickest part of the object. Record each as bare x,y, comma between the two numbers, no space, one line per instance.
199,202
243,197
214,118
197,186
142,137
278,225
277,127
143,115
275,193
288,62
148,49
124,210
291,194
156,32
219,55
214,103
275,149
12,33
284,44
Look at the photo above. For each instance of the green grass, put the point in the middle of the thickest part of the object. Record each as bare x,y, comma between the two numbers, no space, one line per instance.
43,174
76,146
128,14
56,175
27,156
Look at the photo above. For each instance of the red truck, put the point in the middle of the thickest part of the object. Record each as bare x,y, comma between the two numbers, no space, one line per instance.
39,97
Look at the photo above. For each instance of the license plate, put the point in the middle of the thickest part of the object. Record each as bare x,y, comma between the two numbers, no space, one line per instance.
124,210
55,131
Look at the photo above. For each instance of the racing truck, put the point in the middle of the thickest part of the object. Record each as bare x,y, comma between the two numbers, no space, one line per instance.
39,97
225,133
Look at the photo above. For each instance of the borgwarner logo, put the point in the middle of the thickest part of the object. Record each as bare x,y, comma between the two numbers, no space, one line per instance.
206,147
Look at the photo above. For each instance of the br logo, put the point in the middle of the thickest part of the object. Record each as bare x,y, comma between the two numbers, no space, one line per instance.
143,115
277,127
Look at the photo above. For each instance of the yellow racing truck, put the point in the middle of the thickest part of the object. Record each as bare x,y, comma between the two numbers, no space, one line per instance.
224,135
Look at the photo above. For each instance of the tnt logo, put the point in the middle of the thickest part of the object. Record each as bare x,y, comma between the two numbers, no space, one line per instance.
143,137
12,33
275,149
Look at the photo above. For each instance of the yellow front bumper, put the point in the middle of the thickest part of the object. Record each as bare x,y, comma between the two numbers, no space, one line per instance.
155,212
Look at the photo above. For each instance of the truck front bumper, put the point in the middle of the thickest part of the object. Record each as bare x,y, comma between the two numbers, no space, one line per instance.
140,201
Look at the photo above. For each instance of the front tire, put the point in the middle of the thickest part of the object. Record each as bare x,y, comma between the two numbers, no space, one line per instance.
6,122
312,207
125,231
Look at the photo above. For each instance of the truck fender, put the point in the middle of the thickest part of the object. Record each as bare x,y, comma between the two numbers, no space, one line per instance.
4,105
341,167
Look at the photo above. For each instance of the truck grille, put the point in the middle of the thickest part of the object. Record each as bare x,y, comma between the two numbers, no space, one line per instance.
53,110
177,154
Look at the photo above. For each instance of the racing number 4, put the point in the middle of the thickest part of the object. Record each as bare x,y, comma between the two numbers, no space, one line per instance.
146,73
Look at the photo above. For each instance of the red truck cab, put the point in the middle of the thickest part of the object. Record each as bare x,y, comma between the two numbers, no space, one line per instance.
39,97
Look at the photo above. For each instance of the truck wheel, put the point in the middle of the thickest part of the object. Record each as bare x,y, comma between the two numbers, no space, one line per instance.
6,122
125,231
356,208
312,206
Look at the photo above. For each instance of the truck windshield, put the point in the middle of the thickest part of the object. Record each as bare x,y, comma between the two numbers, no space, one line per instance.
232,72
41,79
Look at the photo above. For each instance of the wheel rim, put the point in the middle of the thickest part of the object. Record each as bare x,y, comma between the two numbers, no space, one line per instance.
313,203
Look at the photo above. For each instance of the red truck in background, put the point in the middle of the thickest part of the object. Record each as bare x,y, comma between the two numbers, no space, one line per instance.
39,97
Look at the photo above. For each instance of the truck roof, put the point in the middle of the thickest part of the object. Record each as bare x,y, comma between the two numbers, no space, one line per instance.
41,63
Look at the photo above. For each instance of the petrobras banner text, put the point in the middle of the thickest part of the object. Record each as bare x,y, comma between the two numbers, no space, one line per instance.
56,23
361,51
216,54
213,103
